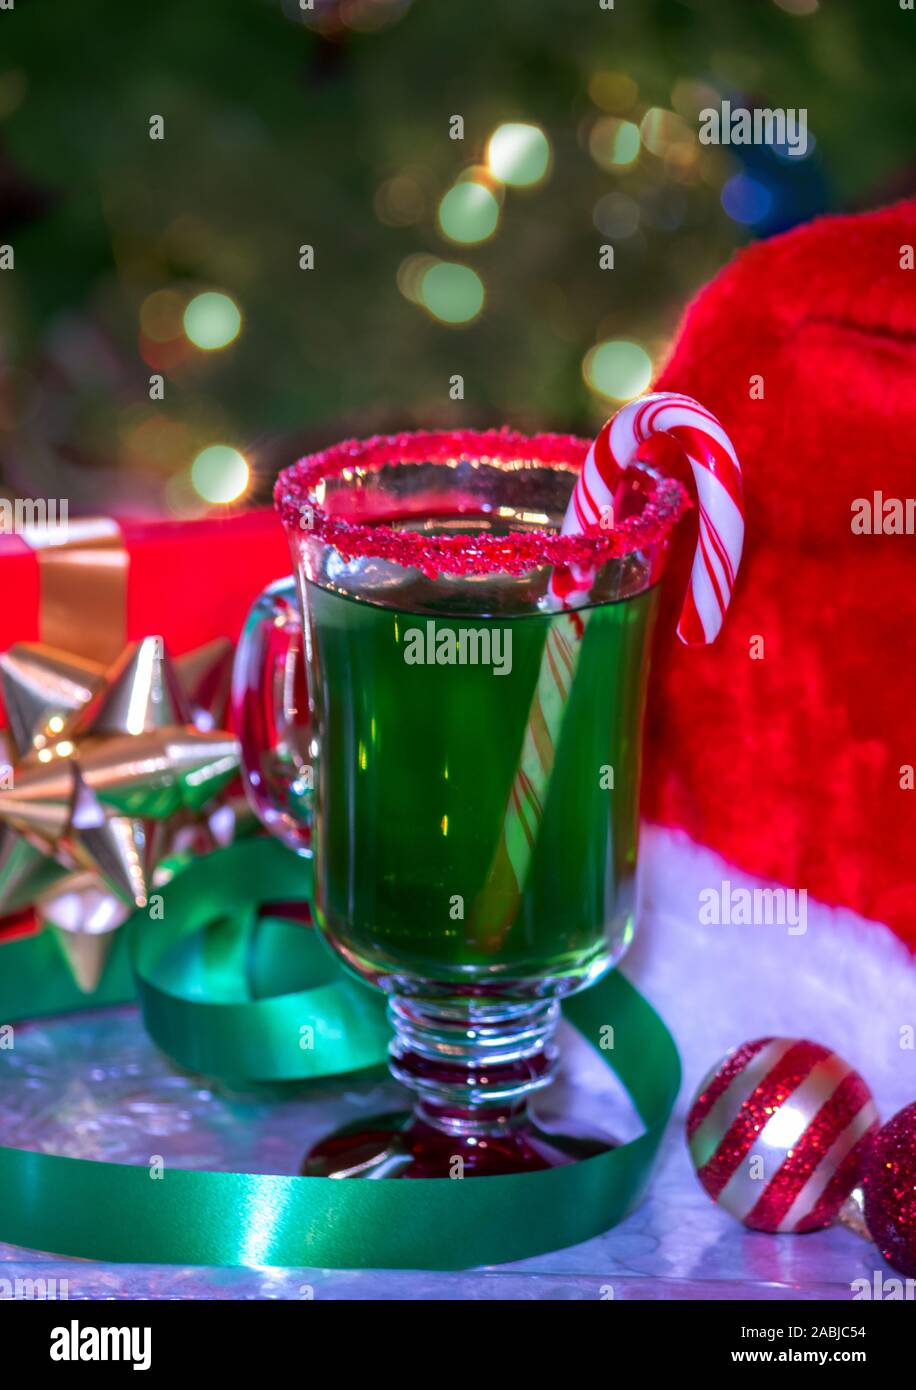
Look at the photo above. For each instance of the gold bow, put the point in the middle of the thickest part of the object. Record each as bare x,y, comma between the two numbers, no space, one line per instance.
112,766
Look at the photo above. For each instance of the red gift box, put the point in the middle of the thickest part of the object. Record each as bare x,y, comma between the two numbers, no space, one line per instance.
187,581
90,588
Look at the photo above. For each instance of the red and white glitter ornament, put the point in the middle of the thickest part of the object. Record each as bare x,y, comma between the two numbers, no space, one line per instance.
779,1131
890,1191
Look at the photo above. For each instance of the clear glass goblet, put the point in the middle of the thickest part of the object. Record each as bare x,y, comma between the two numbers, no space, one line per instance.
462,761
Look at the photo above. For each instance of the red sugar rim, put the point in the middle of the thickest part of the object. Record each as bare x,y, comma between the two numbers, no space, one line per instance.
465,554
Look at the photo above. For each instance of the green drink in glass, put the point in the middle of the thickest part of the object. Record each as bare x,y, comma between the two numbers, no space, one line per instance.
420,723
469,773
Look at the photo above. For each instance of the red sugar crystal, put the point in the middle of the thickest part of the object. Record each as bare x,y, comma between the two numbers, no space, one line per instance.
470,554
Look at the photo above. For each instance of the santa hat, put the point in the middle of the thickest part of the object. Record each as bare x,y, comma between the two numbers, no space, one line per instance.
789,745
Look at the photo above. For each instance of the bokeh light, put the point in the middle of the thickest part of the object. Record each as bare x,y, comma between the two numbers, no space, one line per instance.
399,201
452,293
618,369
715,166
746,200
661,130
220,474
469,212
681,162
613,143
613,91
212,320
161,316
410,275
518,154
689,97
616,215
163,345
155,440
663,208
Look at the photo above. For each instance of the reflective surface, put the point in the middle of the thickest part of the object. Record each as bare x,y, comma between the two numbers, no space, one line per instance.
94,1086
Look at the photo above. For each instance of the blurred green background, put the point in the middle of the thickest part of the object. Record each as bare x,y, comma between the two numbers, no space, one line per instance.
331,127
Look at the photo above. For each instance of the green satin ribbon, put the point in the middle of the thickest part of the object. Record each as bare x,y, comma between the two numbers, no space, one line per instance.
210,976
230,993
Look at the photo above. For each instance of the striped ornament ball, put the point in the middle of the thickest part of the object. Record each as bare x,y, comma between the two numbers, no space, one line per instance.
779,1131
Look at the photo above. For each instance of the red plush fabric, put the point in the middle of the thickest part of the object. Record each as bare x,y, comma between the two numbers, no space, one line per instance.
790,765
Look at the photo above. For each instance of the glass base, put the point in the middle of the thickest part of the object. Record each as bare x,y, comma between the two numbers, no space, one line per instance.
407,1145
474,1067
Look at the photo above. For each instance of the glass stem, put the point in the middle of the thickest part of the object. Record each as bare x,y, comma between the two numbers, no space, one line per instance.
473,1065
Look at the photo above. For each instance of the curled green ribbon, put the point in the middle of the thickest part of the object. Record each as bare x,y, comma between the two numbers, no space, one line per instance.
230,992
210,976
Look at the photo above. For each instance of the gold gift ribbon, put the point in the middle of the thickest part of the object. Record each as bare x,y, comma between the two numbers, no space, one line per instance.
83,573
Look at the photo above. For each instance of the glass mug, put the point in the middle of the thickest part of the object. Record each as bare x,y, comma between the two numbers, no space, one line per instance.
462,762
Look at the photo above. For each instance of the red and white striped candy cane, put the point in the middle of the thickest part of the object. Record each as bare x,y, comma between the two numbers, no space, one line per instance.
495,909
717,474
718,478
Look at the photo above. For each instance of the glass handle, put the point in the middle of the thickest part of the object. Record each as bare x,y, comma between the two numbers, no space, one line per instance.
270,707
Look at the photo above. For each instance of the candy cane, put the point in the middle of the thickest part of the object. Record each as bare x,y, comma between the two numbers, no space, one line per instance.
717,474
494,910
718,478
